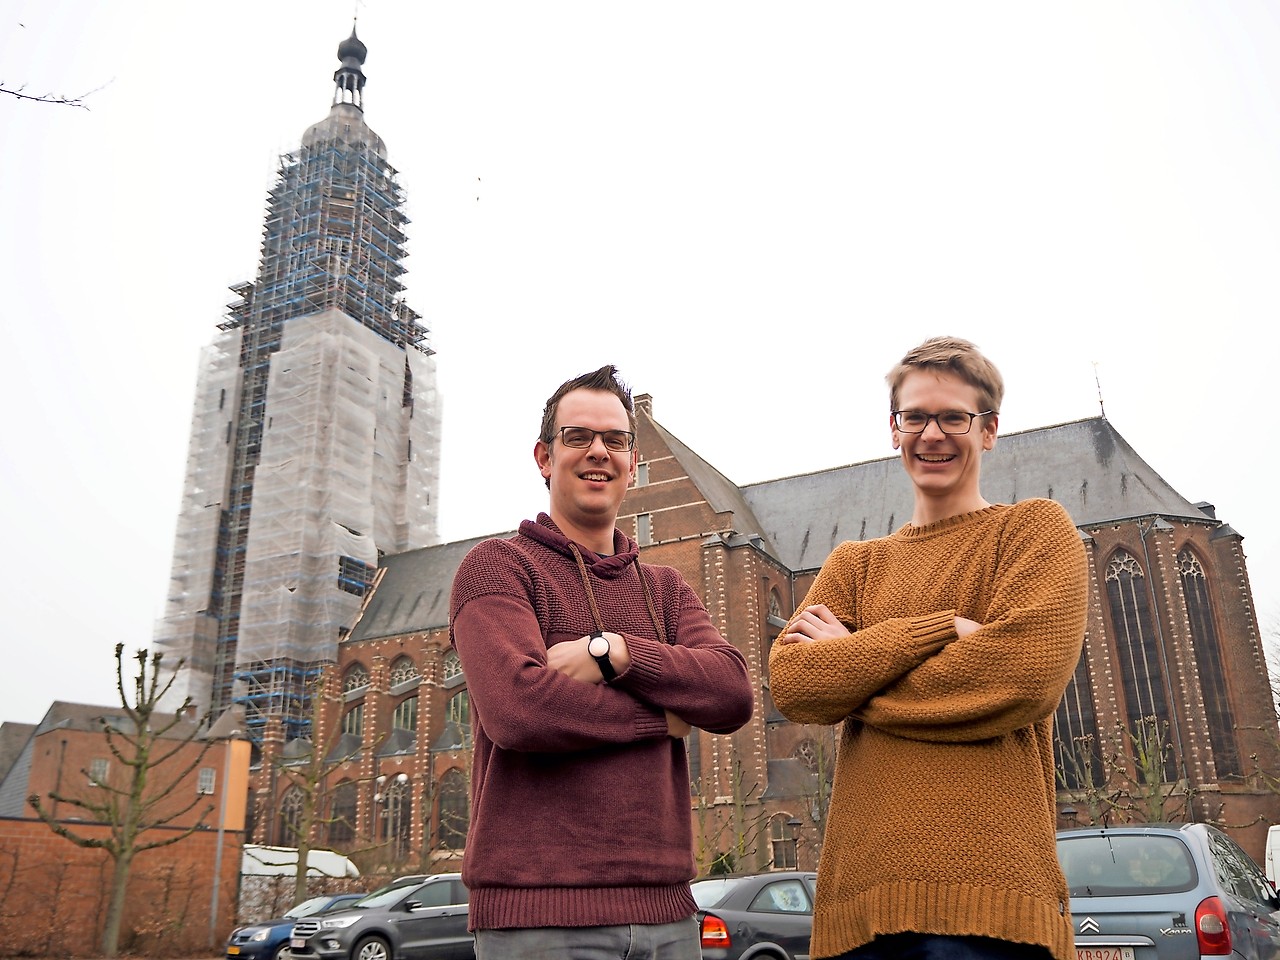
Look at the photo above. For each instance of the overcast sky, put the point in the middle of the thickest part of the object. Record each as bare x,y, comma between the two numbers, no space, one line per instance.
752,208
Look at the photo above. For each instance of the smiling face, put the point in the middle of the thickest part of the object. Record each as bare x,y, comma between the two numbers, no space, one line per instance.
588,484
944,470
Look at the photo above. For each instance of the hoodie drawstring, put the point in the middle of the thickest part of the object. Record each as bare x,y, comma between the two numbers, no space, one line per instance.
591,597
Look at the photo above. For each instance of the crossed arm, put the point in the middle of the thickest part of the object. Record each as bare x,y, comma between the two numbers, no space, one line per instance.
937,674
536,698
572,658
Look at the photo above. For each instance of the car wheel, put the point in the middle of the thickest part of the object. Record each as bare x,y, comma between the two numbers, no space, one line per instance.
282,952
371,948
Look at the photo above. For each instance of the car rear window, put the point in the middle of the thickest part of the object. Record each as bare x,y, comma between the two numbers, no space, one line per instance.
1125,865
708,893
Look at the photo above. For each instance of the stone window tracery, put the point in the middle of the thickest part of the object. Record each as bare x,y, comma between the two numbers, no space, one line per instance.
403,670
1209,660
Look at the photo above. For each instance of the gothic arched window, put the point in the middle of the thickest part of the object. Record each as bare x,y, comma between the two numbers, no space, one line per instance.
782,837
403,670
405,716
290,816
1137,645
353,721
452,666
397,817
1209,659
1077,753
455,816
342,814
458,711
356,678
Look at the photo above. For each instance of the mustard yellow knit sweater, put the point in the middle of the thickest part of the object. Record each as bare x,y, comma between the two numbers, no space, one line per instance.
942,816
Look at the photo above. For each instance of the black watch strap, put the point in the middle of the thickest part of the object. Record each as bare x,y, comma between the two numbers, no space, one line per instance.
602,660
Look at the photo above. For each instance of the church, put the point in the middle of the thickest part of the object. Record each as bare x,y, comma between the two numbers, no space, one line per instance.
1169,715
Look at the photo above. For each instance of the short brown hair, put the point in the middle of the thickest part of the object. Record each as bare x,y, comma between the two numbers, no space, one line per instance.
951,355
606,379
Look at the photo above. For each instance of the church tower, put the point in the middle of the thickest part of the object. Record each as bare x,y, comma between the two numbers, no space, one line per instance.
315,438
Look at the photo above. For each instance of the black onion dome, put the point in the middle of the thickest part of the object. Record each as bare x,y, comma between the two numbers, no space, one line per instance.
352,48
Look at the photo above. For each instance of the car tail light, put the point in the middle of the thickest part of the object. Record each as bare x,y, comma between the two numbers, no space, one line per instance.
714,932
1212,932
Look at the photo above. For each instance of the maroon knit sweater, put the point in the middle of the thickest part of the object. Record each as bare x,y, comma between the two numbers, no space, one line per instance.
579,798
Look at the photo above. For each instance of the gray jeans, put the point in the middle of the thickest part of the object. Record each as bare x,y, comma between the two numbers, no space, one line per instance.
636,941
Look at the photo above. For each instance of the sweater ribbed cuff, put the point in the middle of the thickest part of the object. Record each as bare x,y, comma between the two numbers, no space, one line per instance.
651,722
645,672
935,630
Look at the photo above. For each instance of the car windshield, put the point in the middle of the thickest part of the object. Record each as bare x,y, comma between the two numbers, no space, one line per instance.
707,893
307,907
1125,865
388,896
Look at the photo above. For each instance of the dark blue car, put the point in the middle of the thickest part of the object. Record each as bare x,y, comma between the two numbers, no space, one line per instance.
269,940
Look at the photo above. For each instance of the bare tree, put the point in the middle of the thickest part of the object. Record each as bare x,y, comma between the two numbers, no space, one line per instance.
729,834
57,99
307,777
155,752
1142,778
53,98
1084,773
818,755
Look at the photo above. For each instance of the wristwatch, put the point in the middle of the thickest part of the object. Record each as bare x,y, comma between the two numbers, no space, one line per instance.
598,647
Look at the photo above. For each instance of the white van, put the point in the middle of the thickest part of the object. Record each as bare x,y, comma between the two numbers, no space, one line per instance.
1271,861
267,878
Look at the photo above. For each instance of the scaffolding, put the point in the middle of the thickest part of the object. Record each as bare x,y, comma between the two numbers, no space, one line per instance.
315,437
281,689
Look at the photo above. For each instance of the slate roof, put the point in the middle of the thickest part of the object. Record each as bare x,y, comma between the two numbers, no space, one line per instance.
413,595
13,737
1085,465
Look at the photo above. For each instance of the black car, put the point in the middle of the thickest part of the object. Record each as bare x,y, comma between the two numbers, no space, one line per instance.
1166,892
412,918
269,939
762,915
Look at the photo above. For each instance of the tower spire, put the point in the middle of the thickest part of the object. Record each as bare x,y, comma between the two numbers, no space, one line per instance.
348,79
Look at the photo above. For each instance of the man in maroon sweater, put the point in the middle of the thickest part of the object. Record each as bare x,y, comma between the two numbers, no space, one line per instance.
585,668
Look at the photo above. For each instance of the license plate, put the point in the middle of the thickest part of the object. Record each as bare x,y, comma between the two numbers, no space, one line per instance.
297,943
1104,953
232,951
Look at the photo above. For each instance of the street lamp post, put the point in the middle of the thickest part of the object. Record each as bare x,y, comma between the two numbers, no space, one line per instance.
222,817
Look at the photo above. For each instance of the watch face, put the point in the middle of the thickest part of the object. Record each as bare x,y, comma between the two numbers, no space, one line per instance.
598,647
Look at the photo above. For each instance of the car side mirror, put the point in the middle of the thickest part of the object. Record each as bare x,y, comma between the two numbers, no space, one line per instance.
412,904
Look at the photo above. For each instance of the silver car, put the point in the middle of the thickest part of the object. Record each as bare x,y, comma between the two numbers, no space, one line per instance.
1166,892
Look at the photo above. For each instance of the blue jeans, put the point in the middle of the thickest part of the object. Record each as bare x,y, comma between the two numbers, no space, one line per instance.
930,946
636,941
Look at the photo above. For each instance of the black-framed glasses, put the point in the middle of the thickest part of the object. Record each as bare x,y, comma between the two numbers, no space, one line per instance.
953,423
579,438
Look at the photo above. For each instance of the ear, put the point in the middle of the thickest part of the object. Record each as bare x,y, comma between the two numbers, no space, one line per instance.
542,456
893,432
989,431
631,466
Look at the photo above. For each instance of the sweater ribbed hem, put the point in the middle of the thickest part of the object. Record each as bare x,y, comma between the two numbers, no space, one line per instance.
953,910
500,908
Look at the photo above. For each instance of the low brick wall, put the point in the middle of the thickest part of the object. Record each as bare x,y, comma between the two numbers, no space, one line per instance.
54,894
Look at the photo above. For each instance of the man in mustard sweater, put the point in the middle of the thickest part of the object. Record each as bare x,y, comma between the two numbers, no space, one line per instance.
944,648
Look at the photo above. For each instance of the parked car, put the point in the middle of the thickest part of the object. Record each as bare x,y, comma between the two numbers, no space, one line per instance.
763,916
412,918
1166,892
269,939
